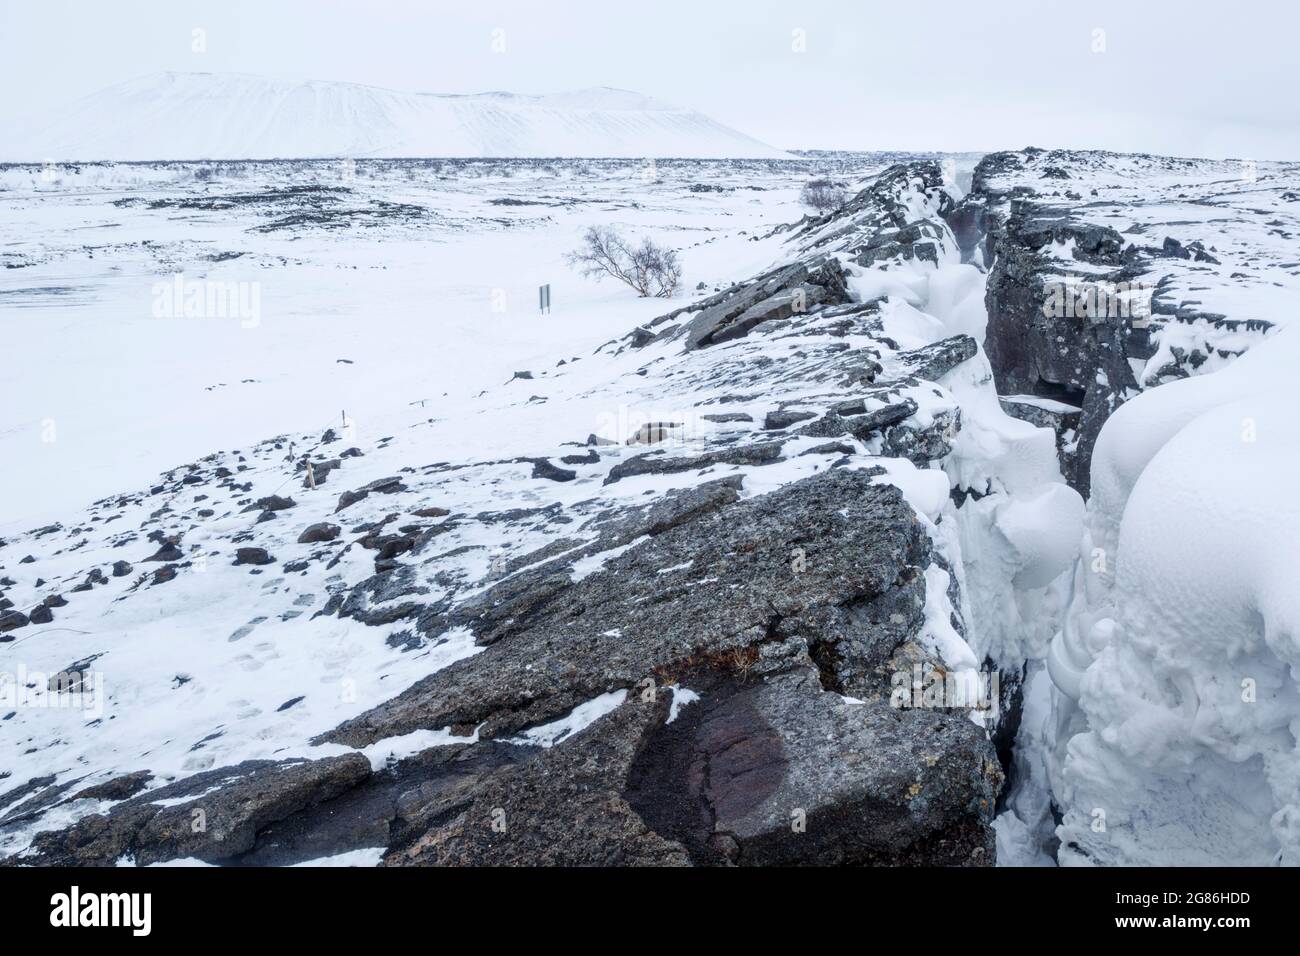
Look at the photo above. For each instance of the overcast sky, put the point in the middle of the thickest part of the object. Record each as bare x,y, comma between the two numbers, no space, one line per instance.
1185,77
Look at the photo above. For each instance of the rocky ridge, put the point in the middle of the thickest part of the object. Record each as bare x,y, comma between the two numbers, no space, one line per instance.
678,651
1110,274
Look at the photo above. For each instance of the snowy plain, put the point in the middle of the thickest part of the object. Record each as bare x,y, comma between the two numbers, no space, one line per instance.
436,303
395,303
413,324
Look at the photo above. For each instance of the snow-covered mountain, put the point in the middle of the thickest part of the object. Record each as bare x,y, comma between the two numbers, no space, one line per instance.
178,116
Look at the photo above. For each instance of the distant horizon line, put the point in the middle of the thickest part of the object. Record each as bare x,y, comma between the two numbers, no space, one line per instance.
797,154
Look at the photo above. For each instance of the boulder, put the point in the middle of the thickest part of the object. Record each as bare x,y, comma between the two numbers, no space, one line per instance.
861,426
253,556
119,788
168,552
773,296
765,768
274,503
232,804
319,532
763,453
798,561
784,418
382,486
542,468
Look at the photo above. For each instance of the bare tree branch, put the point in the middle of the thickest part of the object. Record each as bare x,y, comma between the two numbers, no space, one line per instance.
649,269
823,195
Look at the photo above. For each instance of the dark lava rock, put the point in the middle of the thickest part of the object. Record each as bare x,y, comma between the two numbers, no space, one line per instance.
31,799
431,512
119,788
922,445
1063,420
275,503
349,498
233,804
1081,360
773,296
769,771
382,486
55,600
319,470
563,808
41,615
639,338
168,552
784,418
253,556
542,468
830,448
121,569
12,620
391,546
933,361
723,418
914,240
654,463
321,531
164,574
766,769
390,807
863,426
798,561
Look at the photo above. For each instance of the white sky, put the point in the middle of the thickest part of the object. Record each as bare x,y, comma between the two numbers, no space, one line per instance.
1186,77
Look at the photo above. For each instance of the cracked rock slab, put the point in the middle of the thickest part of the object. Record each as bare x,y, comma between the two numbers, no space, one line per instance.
795,561
211,816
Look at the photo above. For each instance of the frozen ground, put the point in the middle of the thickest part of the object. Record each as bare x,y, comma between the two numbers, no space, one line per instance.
377,294
387,330
372,289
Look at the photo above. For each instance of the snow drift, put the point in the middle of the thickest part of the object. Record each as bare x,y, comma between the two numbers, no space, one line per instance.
1177,661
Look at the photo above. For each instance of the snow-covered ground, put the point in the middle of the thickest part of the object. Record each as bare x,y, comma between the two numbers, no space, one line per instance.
383,317
387,316
417,283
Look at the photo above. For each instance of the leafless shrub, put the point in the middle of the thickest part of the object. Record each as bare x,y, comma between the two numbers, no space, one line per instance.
650,269
823,195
